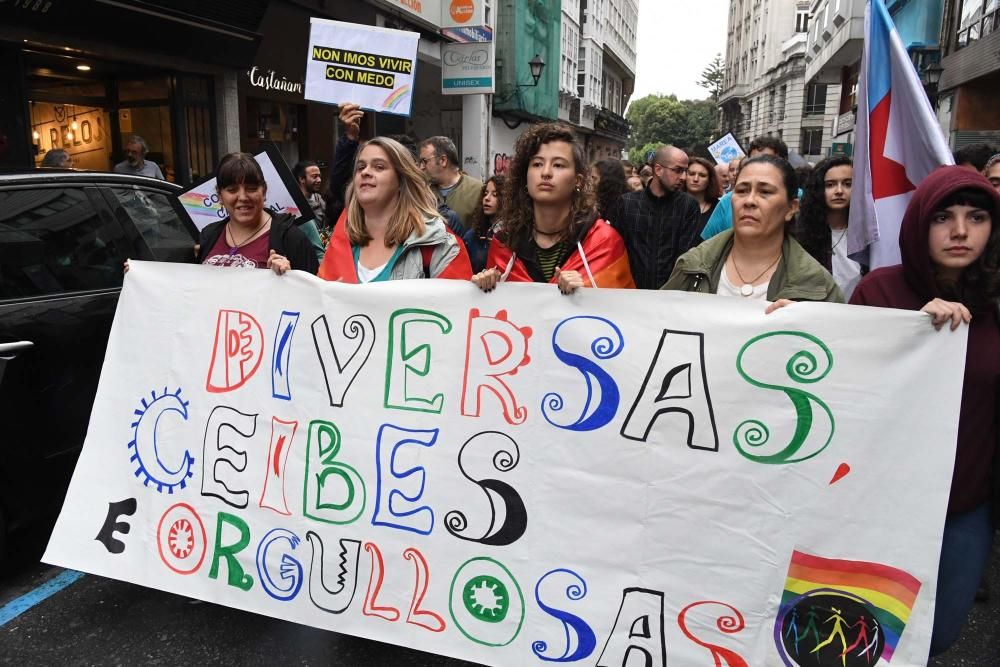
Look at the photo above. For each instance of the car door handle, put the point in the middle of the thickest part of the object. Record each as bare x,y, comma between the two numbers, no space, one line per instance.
10,350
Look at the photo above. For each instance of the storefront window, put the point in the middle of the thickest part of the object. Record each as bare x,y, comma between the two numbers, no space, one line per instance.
276,122
82,131
93,113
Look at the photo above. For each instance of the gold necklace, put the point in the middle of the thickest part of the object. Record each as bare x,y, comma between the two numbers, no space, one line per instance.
746,289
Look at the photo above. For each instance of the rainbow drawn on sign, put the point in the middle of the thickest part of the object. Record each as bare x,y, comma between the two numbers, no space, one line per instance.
194,203
888,593
396,98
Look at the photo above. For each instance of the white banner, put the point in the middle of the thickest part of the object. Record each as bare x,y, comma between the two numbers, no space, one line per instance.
521,476
370,66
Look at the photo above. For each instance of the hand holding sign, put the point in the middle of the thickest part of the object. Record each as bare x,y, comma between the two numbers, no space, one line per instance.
351,116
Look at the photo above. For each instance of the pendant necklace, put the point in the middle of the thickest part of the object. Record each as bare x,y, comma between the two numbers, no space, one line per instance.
233,249
746,289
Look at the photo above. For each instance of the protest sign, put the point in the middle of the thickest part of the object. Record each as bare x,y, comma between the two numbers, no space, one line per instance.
370,66
726,149
202,204
521,476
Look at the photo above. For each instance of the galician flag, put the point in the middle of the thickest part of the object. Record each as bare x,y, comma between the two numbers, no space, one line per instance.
898,141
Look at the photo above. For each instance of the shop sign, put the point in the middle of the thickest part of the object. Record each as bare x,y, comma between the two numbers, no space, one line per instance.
845,123
372,67
462,13
467,69
429,11
841,149
267,79
479,33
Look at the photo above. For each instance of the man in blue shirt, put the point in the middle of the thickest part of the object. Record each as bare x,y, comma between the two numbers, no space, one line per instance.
722,217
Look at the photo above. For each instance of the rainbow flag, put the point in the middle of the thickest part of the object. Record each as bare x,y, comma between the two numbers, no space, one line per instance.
889,592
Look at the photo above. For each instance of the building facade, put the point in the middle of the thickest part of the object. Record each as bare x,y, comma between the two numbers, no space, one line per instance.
72,79
197,89
606,73
969,90
834,49
763,91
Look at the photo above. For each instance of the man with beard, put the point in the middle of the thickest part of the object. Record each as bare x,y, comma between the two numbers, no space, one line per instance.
135,160
311,184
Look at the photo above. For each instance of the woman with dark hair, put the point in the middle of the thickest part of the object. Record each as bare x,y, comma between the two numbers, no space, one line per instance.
608,180
251,236
758,258
703,184
950,246
822,224
390,228
477,238
550,232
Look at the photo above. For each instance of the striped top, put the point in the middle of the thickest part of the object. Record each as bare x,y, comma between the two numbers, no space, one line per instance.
550,258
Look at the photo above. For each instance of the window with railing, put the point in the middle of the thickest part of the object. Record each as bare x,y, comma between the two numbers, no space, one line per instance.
977,19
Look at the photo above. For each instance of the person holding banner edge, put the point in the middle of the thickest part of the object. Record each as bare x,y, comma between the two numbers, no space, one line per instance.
250,236
950,248
390,228
758,258
553,234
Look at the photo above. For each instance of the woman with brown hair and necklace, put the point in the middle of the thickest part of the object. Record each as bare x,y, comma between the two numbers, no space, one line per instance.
549,231
758,258
251,236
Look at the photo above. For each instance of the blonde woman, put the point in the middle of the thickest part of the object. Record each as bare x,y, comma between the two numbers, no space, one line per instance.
390,228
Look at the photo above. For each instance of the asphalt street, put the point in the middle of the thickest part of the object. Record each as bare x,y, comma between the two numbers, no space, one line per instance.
97,621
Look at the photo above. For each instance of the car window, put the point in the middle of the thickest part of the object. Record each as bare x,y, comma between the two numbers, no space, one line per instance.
157,221
53,240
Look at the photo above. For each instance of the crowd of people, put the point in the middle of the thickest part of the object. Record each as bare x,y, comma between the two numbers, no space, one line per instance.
754,229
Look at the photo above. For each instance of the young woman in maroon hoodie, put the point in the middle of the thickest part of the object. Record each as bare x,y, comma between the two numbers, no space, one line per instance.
950,243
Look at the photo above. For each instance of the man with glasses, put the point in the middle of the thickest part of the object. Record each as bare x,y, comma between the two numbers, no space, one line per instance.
660,222
458,191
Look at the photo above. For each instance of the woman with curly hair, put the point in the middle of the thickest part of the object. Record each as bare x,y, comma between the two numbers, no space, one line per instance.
477,238
822,224
607,177
549,230
950,247
703,184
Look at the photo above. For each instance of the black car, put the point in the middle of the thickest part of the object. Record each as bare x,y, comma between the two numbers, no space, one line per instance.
64,236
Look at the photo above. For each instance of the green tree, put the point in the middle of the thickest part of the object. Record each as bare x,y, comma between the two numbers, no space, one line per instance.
663,119
711,77
638,155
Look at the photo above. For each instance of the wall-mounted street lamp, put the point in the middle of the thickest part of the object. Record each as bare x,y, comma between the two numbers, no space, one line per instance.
930,76
537,65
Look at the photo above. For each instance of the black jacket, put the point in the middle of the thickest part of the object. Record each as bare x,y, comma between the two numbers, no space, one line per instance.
656,230
285,239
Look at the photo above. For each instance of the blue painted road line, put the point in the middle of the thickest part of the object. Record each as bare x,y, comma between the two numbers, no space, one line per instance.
18,606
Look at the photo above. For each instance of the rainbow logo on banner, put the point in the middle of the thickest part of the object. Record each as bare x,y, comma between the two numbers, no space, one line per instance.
396,98
842,612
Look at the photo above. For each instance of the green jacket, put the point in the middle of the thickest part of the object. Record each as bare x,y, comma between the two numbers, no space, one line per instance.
798,277
463,199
